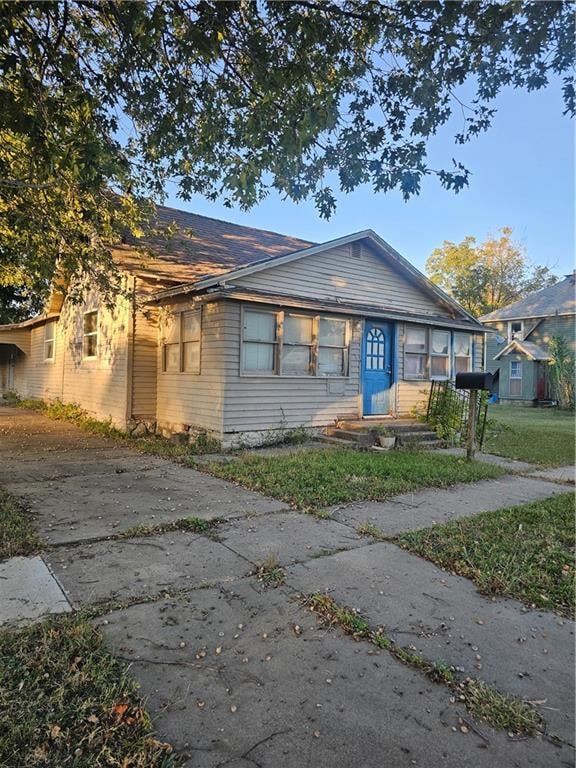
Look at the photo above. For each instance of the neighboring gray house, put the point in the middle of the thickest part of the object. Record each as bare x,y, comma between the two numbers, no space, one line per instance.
517,353
243,333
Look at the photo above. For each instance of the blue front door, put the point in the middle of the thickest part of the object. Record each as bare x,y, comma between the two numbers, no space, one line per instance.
377,368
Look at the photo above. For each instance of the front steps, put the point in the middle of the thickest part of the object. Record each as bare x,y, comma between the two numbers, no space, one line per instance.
357,434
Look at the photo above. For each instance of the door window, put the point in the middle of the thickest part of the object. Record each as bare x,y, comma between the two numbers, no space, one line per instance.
375,350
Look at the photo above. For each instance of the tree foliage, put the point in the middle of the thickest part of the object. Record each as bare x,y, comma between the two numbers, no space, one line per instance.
562,371
486,276
102,103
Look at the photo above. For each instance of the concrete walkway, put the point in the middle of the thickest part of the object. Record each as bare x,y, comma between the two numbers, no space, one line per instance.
241,676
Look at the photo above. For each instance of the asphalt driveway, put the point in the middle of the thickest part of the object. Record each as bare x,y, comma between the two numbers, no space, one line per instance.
240,675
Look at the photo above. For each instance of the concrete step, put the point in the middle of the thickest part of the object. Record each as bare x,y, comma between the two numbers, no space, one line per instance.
416,437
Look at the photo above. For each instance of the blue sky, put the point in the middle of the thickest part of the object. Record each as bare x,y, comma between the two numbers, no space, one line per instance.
522,176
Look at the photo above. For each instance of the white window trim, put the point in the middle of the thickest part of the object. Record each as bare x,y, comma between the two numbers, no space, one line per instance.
521,336
95,333
426,353
279,343
179,320
52,324
447,356
429,354
520,366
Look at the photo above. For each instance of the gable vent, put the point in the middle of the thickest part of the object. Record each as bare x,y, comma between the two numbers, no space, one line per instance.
356,250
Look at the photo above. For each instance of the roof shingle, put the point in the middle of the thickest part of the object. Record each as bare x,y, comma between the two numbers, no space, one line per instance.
558,298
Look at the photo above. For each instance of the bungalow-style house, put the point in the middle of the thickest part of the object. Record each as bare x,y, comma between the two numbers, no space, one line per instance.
242,333
517,353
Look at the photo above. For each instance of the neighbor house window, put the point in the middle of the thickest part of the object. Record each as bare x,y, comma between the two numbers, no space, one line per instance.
416,353
292,344
90,338
260,337
181,342
515,378
440,355
191,327
516,330
462,352
49,341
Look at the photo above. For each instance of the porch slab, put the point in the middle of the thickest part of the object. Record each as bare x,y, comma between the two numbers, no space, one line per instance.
71,509
266,695
29,591
289,537
420,509
131,568
443,617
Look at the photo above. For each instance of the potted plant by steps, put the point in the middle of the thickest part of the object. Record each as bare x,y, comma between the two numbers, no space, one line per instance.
383,437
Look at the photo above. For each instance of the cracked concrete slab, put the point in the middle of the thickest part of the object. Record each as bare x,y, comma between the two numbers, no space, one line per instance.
529,654
557,474
229,682
72,509
421,509
28,591
288,536
510,465
129,568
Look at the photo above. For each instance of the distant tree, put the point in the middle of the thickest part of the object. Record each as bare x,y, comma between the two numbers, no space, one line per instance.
486,276
102,103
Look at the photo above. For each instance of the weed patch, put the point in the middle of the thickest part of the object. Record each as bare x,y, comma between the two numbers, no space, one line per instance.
526,552
17,531
269,573
315,479
64,700
482,701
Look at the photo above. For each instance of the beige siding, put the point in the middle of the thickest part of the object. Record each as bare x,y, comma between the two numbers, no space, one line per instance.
272,402
99,386
338,275
186,399
144,364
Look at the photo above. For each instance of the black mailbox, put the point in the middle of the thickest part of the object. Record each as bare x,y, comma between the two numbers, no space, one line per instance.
482,380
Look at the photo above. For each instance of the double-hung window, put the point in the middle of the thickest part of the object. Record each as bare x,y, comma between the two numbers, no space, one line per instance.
332,347
293,344
181,337
191,327
515,330
440,355
416,353
297,345
462,352
49,341
260,340
90,335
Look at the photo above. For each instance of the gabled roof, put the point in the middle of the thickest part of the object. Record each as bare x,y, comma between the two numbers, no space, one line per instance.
380,246
528,348
202,247
557,299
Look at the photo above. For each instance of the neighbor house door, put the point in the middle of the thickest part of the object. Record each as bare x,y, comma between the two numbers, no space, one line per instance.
377,368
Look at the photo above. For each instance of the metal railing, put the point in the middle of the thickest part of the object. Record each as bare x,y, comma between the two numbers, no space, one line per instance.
448,412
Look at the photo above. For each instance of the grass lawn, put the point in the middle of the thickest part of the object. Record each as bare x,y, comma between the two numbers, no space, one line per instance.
17,533
320,478
538,435
64,700
526,552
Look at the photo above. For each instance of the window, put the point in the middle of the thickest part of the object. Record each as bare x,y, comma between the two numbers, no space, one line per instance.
182,332
297,350
49,340
516,330
259,342
462,352
293,344
440,355
332,347
90,338
515,378
191,326
416,353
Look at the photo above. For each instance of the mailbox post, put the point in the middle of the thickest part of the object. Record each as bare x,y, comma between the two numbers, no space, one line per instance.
474,383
